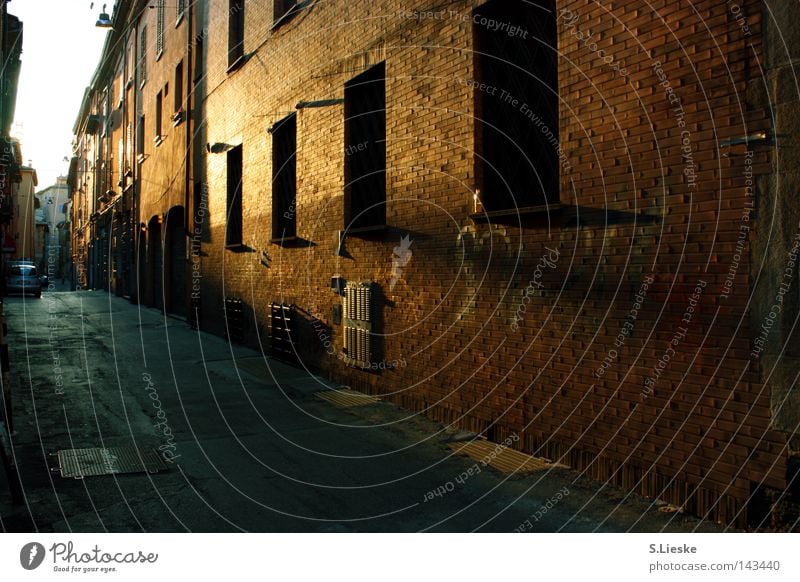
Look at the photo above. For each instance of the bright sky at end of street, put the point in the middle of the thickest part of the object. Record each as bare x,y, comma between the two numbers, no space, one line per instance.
61,48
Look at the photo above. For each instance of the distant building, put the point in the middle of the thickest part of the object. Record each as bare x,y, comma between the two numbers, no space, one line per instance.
53,204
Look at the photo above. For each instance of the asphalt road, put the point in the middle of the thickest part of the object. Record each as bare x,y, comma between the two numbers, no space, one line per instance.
251,449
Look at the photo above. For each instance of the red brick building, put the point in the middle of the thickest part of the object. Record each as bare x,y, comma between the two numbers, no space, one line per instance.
130,170
565,221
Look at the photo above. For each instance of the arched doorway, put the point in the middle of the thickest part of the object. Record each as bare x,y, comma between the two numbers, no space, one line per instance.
155,263
175,262
140,290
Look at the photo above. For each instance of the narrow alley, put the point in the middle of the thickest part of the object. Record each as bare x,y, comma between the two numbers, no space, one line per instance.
250,444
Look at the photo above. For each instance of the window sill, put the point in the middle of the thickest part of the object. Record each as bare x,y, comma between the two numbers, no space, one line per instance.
280,240
237,64
180,19
140,158
178,117
234,246
494,215
159,55
365,229
158,140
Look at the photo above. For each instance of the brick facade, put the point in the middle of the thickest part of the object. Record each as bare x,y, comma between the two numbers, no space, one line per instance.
611,329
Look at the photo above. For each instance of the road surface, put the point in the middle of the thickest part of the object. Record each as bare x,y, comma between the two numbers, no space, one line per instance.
250,445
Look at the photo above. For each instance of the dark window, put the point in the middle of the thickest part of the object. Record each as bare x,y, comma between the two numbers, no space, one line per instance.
140,135
159,28
284,178
281,8
517,110
198,56
159,109
365,149
143,55
180,8
233,234
235,31
200,201
179,87
22,271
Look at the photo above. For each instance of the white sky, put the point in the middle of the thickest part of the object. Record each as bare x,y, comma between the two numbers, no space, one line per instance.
60,50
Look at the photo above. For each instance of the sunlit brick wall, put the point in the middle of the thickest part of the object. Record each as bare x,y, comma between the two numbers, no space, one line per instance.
519,325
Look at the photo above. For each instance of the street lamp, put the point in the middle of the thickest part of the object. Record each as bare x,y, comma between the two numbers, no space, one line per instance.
104,21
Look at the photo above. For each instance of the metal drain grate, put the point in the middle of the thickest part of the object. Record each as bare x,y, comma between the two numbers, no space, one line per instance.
80,463
503,458
347,398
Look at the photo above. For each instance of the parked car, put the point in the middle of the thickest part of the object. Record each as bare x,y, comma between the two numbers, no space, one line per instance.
23,278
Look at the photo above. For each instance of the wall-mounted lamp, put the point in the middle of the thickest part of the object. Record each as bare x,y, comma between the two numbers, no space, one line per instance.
758,137
104,20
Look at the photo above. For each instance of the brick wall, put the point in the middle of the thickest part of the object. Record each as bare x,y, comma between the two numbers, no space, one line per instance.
670,405
164,170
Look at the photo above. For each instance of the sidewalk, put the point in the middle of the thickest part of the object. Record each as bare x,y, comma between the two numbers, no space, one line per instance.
254,447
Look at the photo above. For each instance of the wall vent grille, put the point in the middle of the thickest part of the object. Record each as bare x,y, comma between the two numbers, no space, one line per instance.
358,310
282,326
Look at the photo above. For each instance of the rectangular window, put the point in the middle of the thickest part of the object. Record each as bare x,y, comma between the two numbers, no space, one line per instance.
281,8
284,178
121,160
235,31
198,56
365,149
159,108
128,145
130,61
159,28
143,56
178,92
233,233
516,122
121,73
140,136
180,9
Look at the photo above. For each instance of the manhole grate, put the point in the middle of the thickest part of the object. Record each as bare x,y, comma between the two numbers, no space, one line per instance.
347,398
503,458
80,463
